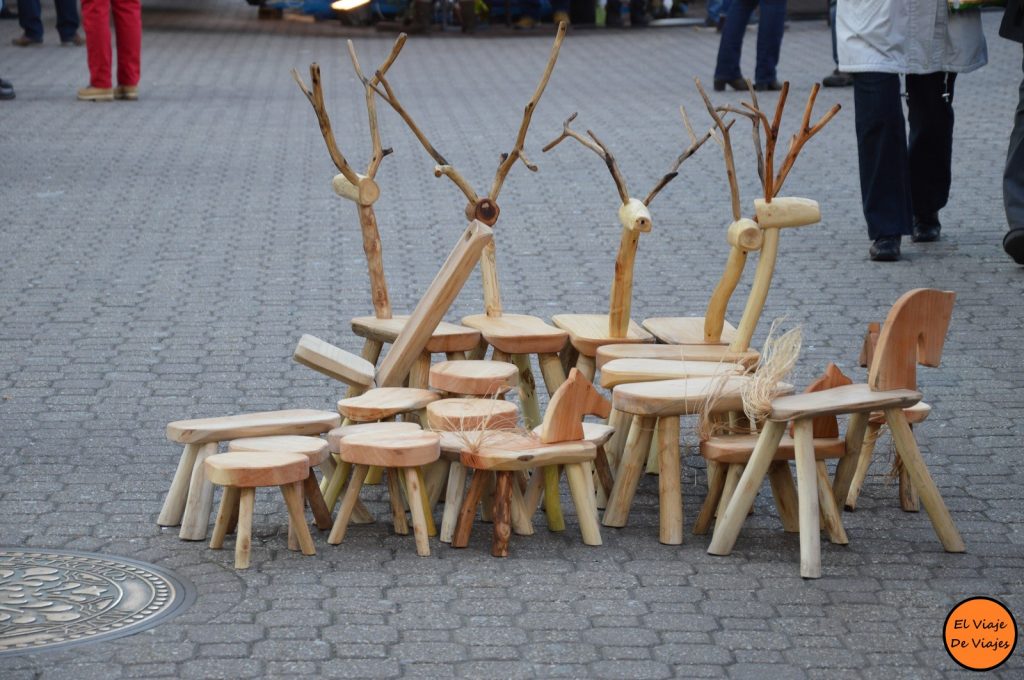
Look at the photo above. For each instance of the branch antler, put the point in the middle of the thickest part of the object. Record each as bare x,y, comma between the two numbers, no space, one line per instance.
595,145
730,165
316,99
371,101
695,144
805,132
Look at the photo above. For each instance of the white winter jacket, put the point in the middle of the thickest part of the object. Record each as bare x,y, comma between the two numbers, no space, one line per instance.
907,36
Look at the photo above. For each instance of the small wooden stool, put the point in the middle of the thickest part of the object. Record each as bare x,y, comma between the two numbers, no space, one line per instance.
240,474
407,451
332,487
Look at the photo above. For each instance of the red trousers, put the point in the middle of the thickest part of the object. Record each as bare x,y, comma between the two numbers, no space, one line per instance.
127,25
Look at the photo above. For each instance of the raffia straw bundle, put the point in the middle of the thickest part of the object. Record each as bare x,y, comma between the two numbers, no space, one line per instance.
778,357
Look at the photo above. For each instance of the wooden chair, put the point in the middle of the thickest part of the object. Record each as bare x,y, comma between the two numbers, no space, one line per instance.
189,501
398,454
241,473
914,332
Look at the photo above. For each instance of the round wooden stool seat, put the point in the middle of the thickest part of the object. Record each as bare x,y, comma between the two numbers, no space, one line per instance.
410,449
474,378
384,402
462,415
248,469
313,448
335,436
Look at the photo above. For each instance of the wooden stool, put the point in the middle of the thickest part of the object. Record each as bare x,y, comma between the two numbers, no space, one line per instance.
190,498
406,451
240,474
332,487
474,378
314,448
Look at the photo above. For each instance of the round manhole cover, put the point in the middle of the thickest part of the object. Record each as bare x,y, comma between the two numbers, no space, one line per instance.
51,599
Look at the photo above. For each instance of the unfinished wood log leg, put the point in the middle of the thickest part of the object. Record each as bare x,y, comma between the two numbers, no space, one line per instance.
243,541
552,372
909,500
467,513
455,356
435,478
807,497
651,468
568,356
716,482
417,504
553,499
371,352
587,366
480,351
628,476
297,517
174,502
863,463
784,492
733,474
727,528
321,514
502,514
454,494
337,483
228,507
327,468
527,392
487,501
395,498
233,518
846,468
419,374
831,517
614,446
522,524
199,505
604,474
348,503
360,515
582,498
670,493
375,475
534,490
931,499
428,509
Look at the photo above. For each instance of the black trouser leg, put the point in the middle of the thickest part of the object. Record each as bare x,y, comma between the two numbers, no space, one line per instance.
930,112
1013,175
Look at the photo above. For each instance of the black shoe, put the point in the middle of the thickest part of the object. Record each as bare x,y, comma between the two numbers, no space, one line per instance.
735,83
773,86
1013,244
8,14
837,79
6,89
926,229
885,249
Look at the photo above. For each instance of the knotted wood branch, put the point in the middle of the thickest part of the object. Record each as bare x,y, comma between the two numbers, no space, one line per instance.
371,100
673,171
805,132
316,100
726,144
595,145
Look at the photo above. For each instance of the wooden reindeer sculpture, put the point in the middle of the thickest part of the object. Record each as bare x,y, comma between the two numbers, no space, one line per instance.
362,189
514,337
587,332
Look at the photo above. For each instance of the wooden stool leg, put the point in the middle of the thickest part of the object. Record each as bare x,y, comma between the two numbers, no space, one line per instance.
931,499
297,516
455,356
830,515
846,468
909,500
199,505
228,507
419,374
375,475
615,445
553,499
521,522
347,504
628,475
371,352
651,468
670,493
233,519
569,355
587,366
480,351
435,481
582,498
326,472
316,502
604,472
502,514
733,474
807,496
428,510
784,492
337,483
552,372
716,482
460,539
417,501
243,542
453,500
527,391
867,449
174,502
397,507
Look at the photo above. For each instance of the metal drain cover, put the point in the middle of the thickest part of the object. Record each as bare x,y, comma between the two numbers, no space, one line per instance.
53,599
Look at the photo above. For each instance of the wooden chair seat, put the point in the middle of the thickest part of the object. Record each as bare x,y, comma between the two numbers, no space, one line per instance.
685,330
918,413
447,337
622,371
384,402
467,415
251,469
314,448
682,397
399,450
334,362
335,436
597,434
715,353
588,332
474,378
518,333
857,398
730,449
266,423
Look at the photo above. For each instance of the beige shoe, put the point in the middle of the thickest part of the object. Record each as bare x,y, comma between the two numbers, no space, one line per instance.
96,94
128,93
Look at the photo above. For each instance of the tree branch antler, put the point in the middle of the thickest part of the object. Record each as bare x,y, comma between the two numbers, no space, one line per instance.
805,132
595,145
316,99
673,171
371,100
730,164
509,159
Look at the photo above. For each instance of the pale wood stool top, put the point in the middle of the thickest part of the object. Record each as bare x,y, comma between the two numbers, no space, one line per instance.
447,337
467,414
518,333
313,448
857,398
597,434
384,402
505,451
248,469
407,449
334,362
622,371
335,436
738,447
587,332
683,397
266,423
474,378
715,353
685,330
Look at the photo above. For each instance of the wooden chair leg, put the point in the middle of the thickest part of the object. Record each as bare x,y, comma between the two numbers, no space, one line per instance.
614,446
521,522
419,374
670,492
831,516
428,509
196,520
337,483
527,392
228,507
464,526
233,519
784,492
297,516
846,468
395,498
417,503
552,372
587,366
863,463
502,514
931,499
583,499
553,499
807,497
909,500
453,500
348,503
568,356
321,514
174,502
733,474
455,356
326,472
604,472
652,455
716,483
480,351
435,477
243,541
534,490
628,475
375,475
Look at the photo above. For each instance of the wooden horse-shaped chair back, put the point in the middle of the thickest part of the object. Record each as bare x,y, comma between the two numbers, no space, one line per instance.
914,333
576,398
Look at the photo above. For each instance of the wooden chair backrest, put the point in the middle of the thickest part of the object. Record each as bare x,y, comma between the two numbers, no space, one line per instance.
867,349
914,333
826,426
577,397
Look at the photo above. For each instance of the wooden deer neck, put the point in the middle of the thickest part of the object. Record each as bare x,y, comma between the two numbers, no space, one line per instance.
577,397
635,219
743,235
374,262
914,333
758,292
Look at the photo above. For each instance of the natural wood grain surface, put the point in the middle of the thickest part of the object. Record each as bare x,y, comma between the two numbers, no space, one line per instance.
621,371
446,337
714,353
518,333
470,415
685,330
409,449
384,402
335,436
914,332
786,211
839,400
261,424
596,433
918,413
587,332
681,397
256,468
478,378
575,399
738,447
334,362
503,450
314,448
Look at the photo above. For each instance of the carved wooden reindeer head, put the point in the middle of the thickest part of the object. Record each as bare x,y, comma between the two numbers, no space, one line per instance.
577,397
914,333
634,216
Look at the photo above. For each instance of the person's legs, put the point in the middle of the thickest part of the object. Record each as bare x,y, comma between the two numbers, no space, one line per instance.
67,19
882,154
769,40
930,113
96,22
730,47
128,26
832,24
29,18
1013,184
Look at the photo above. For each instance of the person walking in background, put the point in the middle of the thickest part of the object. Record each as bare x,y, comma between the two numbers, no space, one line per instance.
1012,28
837,78
904,185
30,18
128,26
769,42
717,10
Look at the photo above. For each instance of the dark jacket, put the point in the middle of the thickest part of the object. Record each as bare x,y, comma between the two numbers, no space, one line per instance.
1012,27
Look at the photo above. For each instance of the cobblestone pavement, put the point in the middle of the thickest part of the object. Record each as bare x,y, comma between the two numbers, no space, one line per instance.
160,260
